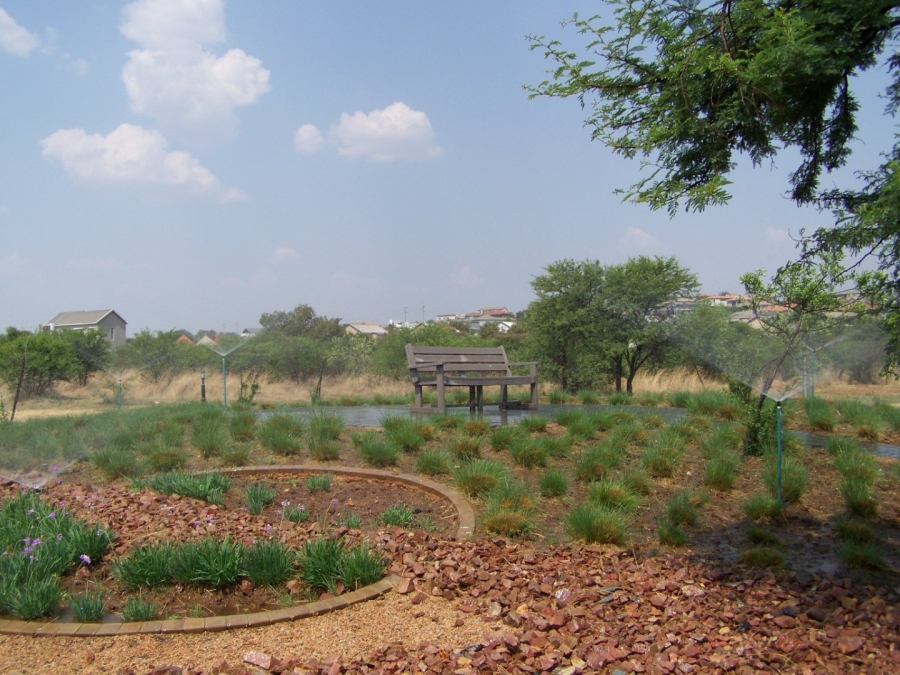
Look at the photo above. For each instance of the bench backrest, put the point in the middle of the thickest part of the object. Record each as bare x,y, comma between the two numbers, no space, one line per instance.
467,359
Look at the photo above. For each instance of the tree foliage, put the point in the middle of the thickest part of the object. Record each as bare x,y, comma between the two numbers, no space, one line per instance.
302,321
687,86
49,359
591,321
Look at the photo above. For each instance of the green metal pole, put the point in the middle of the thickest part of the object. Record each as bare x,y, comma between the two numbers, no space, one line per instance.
224,387
119,394
778,409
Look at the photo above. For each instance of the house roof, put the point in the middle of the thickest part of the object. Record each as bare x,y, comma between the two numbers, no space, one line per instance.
83,317
367,327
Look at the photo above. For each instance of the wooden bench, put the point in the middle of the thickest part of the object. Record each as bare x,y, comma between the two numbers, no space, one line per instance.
472,367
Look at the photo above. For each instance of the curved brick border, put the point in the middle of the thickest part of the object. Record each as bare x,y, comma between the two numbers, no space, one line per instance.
466,517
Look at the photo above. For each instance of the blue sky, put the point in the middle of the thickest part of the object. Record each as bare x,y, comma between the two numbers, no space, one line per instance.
195,163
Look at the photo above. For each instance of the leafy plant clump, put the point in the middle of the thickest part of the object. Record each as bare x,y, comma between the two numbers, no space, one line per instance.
87,607
268,562
138,609
319,482
210,487
258,496
398,515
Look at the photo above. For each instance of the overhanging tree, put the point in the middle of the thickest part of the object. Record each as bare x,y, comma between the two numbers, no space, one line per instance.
688,85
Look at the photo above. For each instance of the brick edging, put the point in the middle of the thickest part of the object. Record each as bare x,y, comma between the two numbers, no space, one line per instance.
466,528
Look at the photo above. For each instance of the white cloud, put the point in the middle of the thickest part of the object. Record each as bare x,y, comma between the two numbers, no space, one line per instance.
308,139
132,154
464,276
174,77
13,264
283,253
394,133
636,239
15,39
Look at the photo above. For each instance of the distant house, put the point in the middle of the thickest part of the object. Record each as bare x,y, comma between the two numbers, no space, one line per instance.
250,332
107,321
184,340
207,341
367,328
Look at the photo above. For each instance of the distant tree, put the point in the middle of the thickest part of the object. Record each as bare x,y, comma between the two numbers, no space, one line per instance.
92,350
158,355
302,321
590,319
49,359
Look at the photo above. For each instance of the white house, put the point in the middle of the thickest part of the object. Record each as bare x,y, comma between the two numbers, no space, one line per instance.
107,321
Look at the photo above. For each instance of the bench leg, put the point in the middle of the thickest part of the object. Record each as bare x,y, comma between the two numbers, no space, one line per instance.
504,400
441,403
471,399
534,396
479,397
418,388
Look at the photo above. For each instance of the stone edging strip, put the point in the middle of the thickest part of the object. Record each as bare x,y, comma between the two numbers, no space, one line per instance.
466,528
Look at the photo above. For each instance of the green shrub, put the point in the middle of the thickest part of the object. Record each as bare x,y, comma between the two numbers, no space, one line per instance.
258,496
138,609
836,445
478,477
281,434
553,483
319,481
324,450
398,515
432,463
528,453
208,562
534,423
679,399
242,427
465,447
612,493
375,451
320,564
268,562
793,479
360,566
208,438
146,567
762,506
595,524
87,607
326,425
858,498
565,417
762,556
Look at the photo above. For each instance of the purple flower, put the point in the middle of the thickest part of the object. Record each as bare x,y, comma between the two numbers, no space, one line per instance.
85,559
52,514
59,537
277,512
56,468
268,528
334,501
286,503
29,512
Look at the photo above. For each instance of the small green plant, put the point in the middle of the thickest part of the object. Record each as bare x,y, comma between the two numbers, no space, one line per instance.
432,463
596,524
681,509
679,399
566,417
650,399
720,471
856,464
670,534
326,425
553,483
858,499
210,487
87,607
528,453
406,437
556,446
465,447
398,515
242,427
759,536
281,434
534,423
146,567
582,428
208,562
478,477
320,564
324,450
612,493
361,566
268,562
862,555
762,556
660,461
558,397
587,397
761,506
258,496
295,514
619,398
793,479
38,596
375,451
445,421
138,609
596,462
319,481
166,459
352,520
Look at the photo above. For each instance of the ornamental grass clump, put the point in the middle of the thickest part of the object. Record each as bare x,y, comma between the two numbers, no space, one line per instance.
566,417
794,477
87,607
762,556
258,496
597,461
863,556
117,463
323,449
478,477
613,493
638,482
295,514
620,398
242,426
398,515
819,414
528,453
361,566
670,534
446,421
374,450
319,482
476,427
558,397
597,524
208,562
208,437
406,437
502,438
556,446
553,484
210,487
281,434
682,508
858,498
759,536
720,470
534,424
581,428
588,397
761,506
432,463
320,564
856,464
146,567
464,447
268,562
326,425
138,609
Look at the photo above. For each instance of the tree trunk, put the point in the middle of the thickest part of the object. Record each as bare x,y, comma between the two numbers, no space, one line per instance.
617,372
